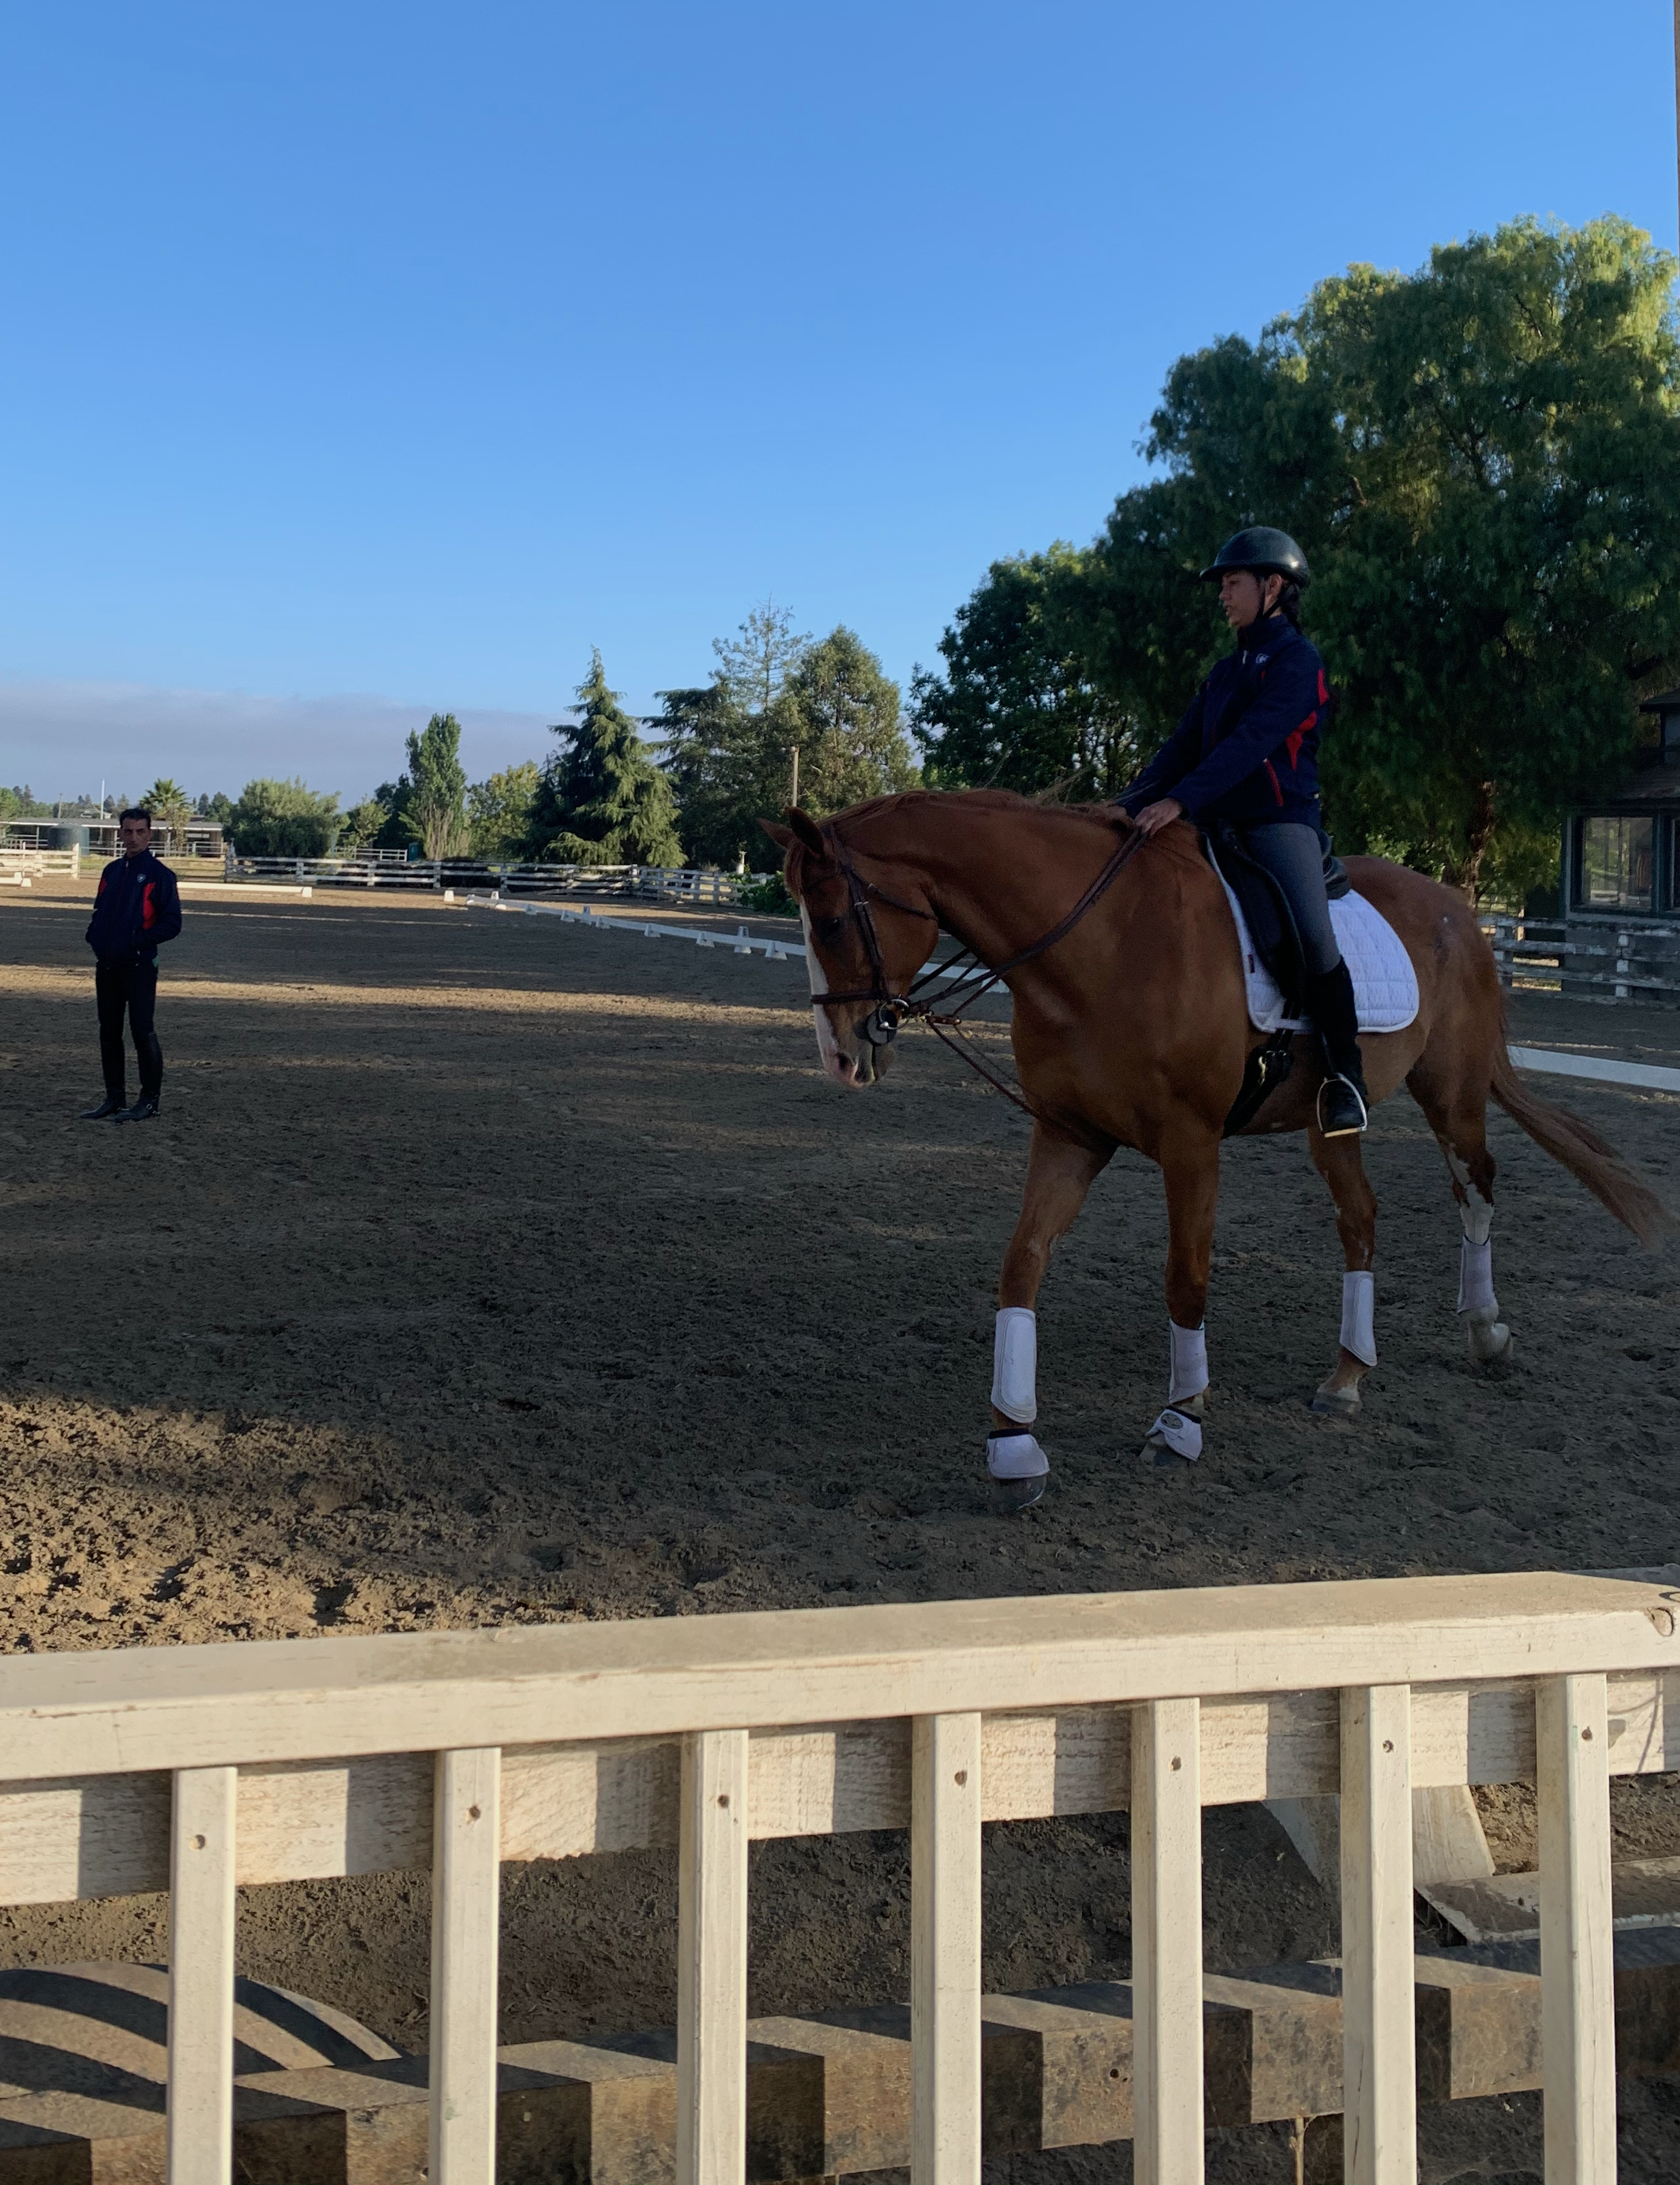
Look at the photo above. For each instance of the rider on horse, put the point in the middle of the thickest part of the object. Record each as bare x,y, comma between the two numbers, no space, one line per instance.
1245,756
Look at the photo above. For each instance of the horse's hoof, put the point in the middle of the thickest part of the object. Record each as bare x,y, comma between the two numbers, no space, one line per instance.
1330,1403
1010,1496
1176,1433
1491,1342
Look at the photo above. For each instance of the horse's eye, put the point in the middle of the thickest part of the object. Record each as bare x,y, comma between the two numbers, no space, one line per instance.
828,929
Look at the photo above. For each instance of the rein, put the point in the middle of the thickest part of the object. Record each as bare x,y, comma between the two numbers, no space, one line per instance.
891,1010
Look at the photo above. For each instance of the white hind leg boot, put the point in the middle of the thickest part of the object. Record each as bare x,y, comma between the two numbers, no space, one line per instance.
1013,1453
1178,1431
1478,1308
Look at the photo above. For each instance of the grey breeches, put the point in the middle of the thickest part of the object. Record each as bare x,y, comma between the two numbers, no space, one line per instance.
1294,856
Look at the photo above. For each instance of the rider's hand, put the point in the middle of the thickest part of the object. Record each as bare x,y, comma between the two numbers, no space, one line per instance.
1154,817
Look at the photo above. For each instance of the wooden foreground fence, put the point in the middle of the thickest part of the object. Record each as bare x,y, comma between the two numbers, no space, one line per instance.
207,1767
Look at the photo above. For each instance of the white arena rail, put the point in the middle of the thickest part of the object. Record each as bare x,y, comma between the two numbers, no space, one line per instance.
211,1767
386,869
19,862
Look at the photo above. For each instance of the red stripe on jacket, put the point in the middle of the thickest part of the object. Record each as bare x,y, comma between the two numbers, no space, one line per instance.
1293,742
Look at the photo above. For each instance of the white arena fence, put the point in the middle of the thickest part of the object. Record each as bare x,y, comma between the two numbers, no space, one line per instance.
20,864
390,869
204,1769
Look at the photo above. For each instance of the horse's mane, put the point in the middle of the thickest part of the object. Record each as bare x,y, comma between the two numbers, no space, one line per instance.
844,826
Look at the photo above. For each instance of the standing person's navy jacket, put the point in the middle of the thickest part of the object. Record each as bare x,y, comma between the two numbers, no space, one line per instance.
1247,751
138,906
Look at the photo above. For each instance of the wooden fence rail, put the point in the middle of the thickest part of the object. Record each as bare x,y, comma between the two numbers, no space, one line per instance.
41,861
1608,962
218,1765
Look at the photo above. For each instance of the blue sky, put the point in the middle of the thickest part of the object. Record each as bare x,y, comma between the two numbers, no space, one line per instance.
405,352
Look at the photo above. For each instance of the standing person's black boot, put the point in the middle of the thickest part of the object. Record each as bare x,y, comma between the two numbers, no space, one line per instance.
1343,1102
114,1104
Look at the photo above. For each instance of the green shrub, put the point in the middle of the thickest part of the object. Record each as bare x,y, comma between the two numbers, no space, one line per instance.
766,896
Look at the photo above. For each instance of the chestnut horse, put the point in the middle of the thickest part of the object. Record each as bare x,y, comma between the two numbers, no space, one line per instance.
1132,1029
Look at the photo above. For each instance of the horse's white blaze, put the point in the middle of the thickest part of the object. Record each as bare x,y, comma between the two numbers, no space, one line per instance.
828,1047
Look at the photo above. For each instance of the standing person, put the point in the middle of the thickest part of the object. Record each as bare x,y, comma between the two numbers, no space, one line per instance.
137,908
1246,755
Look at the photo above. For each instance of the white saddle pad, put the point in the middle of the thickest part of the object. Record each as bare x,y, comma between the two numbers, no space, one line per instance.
1385,982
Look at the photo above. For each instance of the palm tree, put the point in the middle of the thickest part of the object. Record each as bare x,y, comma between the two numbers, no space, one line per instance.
171,808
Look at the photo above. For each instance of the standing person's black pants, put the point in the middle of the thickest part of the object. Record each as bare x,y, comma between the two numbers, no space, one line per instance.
131,985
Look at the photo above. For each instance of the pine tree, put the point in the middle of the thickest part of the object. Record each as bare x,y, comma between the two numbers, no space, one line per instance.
602,801
754,664
842,710
729,746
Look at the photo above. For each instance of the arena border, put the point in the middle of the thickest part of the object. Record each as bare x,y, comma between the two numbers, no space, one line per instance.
801,1721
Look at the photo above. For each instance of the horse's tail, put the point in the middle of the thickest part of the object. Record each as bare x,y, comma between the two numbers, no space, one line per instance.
1585,1154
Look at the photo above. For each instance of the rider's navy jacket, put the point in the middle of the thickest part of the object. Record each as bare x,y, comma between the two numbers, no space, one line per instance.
138,906
1247,751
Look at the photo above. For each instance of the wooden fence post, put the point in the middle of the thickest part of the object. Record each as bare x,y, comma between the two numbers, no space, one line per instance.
712,1911
1379,2069
199,2121
465,1888
945,1950
1577,2006
1166,1942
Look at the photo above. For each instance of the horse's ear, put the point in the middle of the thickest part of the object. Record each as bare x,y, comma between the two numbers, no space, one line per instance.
780,836
808,834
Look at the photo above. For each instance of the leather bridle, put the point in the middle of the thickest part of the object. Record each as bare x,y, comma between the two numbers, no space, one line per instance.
915,1003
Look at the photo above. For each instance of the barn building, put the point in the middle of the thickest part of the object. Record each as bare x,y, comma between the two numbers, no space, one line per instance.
1621,878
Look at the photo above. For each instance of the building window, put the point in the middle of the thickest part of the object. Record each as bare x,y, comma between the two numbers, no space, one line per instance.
1615,869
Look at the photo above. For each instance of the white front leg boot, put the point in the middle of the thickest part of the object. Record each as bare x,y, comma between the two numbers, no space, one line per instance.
1341,1400
1359,1316
1012,1456
1178,1431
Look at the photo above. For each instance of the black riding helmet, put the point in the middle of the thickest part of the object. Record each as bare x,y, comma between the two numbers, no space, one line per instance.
1264,552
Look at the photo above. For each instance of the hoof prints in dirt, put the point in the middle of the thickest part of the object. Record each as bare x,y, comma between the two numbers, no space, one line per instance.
505,1271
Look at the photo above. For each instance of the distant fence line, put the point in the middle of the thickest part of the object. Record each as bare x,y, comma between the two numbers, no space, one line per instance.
1603,960
662,883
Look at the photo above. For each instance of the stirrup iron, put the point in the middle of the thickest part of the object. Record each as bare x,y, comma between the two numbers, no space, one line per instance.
1342,1130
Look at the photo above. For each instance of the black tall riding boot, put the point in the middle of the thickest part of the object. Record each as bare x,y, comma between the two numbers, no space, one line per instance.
1342,1099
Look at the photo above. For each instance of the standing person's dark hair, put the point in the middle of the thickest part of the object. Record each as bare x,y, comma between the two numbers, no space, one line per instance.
136,910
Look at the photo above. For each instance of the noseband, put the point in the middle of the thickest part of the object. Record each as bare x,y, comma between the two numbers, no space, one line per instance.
880,1027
